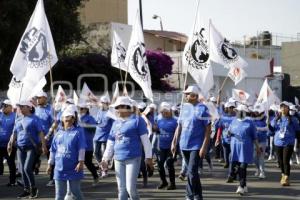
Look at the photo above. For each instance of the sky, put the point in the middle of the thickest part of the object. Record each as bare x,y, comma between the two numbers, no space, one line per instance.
233,18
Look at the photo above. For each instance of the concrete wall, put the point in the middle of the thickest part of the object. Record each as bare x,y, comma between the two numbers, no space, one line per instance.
160,43
95,11
290,56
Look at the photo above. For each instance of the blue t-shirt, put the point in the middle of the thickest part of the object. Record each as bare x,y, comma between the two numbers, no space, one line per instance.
65,146
27,129
104,125
243,135
224,123
89,132
7,123
193,120
262,135
167,127
285,130
126,137
46,119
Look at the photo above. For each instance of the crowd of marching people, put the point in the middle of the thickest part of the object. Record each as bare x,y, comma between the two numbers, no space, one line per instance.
133,138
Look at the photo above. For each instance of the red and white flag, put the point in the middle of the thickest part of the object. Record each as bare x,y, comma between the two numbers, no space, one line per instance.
60,98
87,96
240,95
237,74
267,96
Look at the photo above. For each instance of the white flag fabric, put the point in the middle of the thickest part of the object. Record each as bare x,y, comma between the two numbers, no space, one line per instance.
222,52
60,98
118,53
196,57
267,96
75,98
87,96
237,74
24,90
240,95
36,51
136,59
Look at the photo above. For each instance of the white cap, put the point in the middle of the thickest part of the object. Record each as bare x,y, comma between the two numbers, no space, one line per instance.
192,89
82,105
259,108
69,111
285,103
174,108
152,105
293,107
123,100
165,106
104,99
229,104
7,102
213,99
70,101
134,103
25,103
232,100
141,105
41,94
242,107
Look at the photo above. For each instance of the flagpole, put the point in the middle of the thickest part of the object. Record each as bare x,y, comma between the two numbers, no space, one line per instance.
51,85
223,84
118,62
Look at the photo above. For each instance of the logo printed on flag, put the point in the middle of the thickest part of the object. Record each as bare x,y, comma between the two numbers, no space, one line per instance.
198,53
139,61
121,52
226,51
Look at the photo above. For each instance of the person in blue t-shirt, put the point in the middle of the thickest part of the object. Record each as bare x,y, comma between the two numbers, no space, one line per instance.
260,123
67,153
127,137
293,112
104,124
193,134
45,113
88,123
28,134
243,137
223,125
271,115
165,127
7,122
286,129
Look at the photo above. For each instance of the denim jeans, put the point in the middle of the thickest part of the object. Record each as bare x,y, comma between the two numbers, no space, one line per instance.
260,159
99,148
64,189
226,151
26,158
166,157
126,173
183,170
155,144
193,187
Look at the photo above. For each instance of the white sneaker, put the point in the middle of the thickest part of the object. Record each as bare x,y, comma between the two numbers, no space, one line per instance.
240,190
245,189
291,162
262,175
270,158
256,173
297,160
104,174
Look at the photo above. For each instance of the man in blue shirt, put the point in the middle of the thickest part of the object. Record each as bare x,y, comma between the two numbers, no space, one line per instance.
7,121
193,134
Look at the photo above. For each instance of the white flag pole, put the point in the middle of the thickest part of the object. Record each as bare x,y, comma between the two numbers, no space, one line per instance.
120,65
51,85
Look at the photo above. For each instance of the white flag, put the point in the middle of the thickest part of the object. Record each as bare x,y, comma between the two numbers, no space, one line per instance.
222,51
24,90
267,96
87,96
75,98
196,57
237,74
240,95
36,52
136,59
60,98
118,53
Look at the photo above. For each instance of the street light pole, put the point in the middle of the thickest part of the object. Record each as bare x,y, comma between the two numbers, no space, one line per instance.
160,21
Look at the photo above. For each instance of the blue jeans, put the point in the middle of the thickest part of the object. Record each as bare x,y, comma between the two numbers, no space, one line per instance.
226,150
99,148
26,159
64,189
126,173
193,187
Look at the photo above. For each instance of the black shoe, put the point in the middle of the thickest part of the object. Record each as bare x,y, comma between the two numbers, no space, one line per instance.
18,175
162,185
171,187
11,184
229,180
33,193
25,193
226,165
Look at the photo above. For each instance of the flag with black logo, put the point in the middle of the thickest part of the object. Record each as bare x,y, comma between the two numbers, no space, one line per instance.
36,51
118,52
222,51
196,57
136,59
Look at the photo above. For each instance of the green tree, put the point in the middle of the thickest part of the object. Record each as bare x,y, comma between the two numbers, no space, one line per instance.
63,17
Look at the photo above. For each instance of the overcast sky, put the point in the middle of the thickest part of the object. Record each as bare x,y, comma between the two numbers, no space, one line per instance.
233,18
